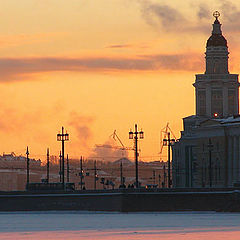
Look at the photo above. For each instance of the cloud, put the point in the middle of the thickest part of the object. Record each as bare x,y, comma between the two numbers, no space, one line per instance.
138,45
12,67
27,126
37,127
172,19
229,10
15,69
120,46
178,62
14,122
203,11
108,152
154,13
231,14
11,121
82,127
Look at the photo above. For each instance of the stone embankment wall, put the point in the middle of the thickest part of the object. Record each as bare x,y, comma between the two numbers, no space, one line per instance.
123,200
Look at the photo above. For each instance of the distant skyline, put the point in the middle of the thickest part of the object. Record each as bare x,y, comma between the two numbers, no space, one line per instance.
95,66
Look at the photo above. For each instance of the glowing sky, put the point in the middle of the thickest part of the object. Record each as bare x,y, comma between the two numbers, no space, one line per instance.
98,65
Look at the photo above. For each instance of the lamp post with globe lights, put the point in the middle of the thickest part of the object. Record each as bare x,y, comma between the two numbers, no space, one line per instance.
134,135
63,137
168,142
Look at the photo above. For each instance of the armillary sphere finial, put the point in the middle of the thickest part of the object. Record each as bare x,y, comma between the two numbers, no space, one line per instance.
216,14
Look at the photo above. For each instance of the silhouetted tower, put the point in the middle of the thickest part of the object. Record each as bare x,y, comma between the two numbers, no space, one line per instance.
216,90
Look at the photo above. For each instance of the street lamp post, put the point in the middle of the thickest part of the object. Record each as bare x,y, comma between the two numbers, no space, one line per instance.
48,165
168,142
210,148
60,167
27,153
154,177
134,135
95,169
63,137
121,174
159,180
81,173
68,171
164,176
95,175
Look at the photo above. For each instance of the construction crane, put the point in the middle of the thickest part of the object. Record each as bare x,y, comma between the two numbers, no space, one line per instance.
115,137
163,135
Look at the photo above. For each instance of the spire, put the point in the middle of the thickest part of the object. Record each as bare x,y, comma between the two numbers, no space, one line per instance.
216,25
216,39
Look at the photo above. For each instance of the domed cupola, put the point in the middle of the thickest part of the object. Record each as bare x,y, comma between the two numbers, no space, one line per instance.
216,39
217,50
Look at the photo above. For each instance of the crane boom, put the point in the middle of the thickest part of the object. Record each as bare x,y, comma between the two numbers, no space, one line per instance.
163,135
114,136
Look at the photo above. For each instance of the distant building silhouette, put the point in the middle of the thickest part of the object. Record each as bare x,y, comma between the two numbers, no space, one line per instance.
208,152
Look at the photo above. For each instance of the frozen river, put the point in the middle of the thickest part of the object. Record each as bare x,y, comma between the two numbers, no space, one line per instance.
85,225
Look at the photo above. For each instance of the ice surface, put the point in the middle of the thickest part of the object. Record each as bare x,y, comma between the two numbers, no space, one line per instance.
89,225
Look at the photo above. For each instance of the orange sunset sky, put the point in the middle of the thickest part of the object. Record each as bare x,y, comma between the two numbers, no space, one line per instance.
98,65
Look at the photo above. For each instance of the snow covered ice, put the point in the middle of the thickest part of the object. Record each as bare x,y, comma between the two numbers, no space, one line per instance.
102,225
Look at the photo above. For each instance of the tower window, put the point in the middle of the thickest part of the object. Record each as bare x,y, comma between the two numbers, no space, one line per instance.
217,102
231,101
202,102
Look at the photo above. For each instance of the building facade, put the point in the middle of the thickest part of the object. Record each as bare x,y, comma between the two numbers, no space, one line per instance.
208,151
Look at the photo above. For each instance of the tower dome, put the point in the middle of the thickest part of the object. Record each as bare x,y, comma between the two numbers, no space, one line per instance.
217,40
